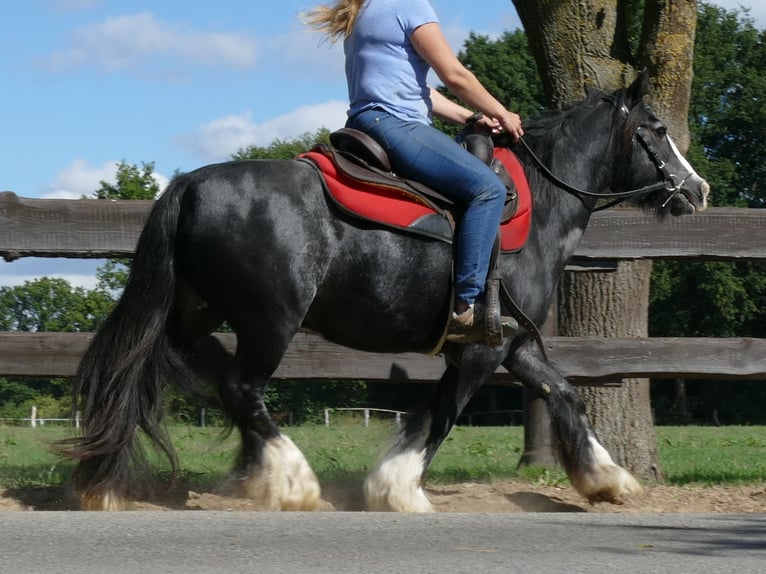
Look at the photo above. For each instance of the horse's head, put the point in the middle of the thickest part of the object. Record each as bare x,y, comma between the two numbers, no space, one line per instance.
654,157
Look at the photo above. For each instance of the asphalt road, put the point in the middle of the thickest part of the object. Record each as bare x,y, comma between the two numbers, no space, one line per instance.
339,543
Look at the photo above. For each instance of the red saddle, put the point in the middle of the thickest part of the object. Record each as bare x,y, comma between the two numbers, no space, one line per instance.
393,202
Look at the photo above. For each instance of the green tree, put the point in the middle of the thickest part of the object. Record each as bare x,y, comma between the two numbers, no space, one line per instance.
728,111
133,182
52,304
284,148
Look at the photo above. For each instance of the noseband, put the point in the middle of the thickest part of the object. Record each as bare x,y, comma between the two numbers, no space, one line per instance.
669,180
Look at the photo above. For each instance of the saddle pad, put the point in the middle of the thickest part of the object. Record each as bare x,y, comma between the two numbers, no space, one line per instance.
514,233
402,209
387,205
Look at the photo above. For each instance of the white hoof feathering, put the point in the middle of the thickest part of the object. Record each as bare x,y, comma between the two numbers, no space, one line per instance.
107,501
284,481
394,486
605,481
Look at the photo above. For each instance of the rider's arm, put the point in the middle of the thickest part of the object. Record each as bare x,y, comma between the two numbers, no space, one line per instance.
430,43
447,110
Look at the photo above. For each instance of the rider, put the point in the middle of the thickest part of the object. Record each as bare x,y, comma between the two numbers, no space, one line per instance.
390,46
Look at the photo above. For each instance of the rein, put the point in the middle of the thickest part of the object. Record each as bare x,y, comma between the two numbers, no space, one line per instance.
669,182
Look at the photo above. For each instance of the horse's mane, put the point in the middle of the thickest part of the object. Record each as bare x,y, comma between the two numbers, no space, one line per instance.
543,133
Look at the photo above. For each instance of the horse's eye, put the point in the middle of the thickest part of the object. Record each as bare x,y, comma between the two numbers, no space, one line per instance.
661,130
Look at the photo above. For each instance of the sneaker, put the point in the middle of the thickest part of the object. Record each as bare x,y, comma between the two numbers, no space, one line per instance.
468,327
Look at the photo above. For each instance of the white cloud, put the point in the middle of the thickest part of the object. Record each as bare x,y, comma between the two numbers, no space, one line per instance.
80,179
136,41
219,139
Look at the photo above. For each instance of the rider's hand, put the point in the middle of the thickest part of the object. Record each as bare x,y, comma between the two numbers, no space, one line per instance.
510,123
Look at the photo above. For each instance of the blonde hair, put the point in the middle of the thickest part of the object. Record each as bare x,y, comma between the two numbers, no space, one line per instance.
335,21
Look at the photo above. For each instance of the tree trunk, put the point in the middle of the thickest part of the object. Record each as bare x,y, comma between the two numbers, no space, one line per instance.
586,42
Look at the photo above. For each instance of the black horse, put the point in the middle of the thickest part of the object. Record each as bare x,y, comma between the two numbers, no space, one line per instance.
259,245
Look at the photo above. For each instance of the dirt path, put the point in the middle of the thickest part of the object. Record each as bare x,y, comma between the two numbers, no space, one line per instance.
466,497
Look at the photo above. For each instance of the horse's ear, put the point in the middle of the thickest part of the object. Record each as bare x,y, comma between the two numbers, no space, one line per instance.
638,89
590,91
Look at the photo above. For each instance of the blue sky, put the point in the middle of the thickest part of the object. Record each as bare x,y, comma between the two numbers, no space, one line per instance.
88,83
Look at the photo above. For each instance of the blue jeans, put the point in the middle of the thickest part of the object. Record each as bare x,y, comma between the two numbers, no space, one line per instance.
423,153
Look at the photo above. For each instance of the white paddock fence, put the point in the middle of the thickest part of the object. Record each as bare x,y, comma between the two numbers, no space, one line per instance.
512,417
365,414
34,421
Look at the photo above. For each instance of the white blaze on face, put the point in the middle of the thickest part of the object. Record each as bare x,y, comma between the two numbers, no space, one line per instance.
681,159
692,176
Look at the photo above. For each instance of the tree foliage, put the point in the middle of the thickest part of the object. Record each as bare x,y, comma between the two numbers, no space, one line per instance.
133,182
52,304
284,148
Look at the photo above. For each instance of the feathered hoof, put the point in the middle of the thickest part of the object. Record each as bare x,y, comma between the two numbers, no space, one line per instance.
108,502
607,483
380,498
394,486
284,481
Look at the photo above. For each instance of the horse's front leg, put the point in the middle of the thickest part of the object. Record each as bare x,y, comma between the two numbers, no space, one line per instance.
270,468
589,466
396,484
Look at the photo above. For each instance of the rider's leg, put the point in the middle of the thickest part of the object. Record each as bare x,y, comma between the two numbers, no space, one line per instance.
421,152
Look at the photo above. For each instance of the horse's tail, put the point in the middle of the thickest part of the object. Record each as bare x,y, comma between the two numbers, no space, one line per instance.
118,385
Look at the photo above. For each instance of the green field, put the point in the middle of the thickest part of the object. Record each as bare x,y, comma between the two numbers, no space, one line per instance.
345,451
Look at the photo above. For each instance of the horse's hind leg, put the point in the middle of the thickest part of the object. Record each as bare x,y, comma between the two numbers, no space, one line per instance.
270,469
591,470
396,484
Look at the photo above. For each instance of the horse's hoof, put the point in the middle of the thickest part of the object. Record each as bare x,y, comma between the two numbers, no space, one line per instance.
108,502
610,483
394,486
284,480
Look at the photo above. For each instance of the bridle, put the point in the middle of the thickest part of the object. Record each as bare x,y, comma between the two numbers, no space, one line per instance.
669,180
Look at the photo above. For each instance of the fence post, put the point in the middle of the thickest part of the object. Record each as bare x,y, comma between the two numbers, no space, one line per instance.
327,417
366,417
33,417
77,419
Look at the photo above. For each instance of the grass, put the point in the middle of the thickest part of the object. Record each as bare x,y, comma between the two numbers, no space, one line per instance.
347,450
712,455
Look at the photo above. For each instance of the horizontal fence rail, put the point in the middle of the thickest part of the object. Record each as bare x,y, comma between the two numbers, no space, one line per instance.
90,228
583,360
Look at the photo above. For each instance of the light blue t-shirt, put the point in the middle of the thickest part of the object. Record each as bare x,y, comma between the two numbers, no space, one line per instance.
382,67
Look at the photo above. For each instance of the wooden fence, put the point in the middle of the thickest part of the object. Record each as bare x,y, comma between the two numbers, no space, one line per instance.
104,229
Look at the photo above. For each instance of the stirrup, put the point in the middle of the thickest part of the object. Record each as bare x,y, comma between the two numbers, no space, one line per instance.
496,325
493,326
